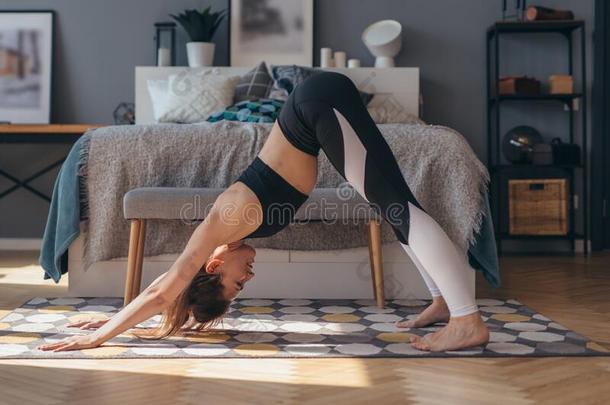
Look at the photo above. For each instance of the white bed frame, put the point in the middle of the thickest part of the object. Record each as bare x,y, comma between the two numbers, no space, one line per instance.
280,273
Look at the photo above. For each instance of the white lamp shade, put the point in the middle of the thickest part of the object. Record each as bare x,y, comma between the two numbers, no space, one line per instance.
383,38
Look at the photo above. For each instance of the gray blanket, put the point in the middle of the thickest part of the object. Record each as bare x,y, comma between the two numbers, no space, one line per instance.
438,164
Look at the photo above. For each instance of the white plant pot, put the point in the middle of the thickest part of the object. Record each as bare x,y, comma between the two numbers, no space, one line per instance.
200,53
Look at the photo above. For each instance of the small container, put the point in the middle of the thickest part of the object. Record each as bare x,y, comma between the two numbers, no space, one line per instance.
340,58
542,154
519,85
538,206
561,84
326,57
353,63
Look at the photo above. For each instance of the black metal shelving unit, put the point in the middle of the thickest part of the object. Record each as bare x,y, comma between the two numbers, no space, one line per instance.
500,173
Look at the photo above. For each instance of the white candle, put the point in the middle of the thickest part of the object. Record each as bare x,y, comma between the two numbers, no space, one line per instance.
353,63
164,57
326,57
340,59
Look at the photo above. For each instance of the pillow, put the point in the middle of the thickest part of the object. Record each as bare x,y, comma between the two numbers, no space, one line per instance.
258,110
384,109
157,89
254,84
193,95
287,77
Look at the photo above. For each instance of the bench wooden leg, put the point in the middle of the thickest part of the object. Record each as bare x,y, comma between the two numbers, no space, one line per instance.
134,239
137,279
376,261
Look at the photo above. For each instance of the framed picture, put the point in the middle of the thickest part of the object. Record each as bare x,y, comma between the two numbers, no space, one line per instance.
279,32
26,56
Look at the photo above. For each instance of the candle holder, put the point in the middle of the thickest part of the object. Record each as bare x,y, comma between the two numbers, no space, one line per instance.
519,15
165,42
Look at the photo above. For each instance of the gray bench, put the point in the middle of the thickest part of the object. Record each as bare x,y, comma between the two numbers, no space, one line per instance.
193,204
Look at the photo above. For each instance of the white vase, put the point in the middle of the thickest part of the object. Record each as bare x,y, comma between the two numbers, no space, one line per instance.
200,53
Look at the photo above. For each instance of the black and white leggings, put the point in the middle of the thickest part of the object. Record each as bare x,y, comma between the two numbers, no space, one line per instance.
326,112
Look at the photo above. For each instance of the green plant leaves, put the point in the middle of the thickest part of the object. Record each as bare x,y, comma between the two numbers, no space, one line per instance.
200,26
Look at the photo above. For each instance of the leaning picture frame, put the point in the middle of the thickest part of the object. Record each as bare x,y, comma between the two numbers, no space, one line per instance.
26,66
276,31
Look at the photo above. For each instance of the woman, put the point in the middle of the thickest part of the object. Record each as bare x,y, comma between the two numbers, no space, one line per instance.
324,112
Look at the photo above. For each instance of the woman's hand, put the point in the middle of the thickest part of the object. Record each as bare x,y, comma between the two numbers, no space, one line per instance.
91,323
71,343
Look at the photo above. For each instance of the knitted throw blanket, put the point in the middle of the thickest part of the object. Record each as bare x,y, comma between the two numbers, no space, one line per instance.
438,164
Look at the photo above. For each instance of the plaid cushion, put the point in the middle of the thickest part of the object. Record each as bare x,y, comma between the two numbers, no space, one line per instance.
258,110
254,84
287,77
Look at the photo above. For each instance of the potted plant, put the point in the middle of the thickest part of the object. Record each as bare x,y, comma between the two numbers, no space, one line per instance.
200,26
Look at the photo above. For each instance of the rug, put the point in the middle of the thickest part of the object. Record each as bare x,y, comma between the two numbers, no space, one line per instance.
290,328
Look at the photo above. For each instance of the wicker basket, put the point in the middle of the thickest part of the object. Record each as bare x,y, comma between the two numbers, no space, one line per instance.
538,207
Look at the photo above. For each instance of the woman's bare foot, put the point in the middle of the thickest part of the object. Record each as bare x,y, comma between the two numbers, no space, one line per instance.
461,332
436,312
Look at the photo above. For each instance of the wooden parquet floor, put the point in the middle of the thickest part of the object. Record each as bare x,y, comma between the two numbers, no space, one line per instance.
574,291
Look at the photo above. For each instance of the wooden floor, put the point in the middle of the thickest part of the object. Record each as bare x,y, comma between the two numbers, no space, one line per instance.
574,291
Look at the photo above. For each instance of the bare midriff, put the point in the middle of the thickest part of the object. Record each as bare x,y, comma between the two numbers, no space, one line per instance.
298,168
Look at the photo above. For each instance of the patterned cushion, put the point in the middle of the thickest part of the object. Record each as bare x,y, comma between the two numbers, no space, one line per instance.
193,95
255,84
259,110
287,77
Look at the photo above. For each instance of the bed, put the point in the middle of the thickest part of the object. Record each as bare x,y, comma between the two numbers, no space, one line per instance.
291,265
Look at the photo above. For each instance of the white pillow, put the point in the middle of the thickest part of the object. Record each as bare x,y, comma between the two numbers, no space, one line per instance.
385,109
191,96
157,89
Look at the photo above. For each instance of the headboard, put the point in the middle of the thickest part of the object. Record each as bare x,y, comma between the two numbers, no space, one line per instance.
398,85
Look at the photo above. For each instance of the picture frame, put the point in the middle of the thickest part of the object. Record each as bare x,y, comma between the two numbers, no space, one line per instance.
26,65
279,32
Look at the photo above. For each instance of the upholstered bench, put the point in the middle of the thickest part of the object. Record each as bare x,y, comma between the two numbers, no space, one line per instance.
192,204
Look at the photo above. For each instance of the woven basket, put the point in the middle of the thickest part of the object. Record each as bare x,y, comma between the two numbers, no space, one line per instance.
538,207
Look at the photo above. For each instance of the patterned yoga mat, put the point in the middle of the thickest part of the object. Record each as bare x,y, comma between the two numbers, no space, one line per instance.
290,328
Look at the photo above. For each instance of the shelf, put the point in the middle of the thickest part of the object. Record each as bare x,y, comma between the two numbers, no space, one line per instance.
564,26
529,166
547,237
540,97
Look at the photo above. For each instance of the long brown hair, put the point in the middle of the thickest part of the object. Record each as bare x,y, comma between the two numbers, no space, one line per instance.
201,304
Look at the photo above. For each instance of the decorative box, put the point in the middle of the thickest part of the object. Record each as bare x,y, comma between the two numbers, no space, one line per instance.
542,154
538,206
565,153
561,84
519,85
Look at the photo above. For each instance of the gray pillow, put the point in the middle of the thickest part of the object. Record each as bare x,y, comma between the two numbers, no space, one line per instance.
287,77
253,85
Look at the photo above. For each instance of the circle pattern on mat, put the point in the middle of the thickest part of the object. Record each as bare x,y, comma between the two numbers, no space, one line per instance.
335,309
12,349
541,336
67,301
525,326
510,348
345,327
206,349
307,349
288,328
358,349
294,302
303,337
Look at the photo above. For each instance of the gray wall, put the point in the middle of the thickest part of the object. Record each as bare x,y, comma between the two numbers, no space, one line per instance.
100,42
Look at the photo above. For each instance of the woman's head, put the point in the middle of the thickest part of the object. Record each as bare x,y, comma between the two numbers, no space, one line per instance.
208,296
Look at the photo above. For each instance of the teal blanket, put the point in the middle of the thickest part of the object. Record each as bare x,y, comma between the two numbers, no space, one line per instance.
65,213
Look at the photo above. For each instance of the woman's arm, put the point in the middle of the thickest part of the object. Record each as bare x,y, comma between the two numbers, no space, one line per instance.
166,288
224,224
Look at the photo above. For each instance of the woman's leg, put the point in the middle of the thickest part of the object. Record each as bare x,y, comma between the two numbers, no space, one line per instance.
328,105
